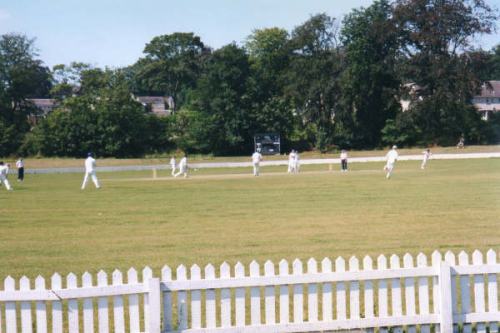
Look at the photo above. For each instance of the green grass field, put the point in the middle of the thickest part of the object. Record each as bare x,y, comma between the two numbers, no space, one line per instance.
48,224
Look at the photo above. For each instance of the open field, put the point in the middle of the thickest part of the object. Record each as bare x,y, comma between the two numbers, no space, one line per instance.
48,224
32,163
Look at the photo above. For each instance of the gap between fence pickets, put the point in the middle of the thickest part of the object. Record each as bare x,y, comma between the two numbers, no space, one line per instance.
153,287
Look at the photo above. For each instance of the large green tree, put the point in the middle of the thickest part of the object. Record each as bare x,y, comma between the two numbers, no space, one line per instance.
22,76
312,77
171,66
436,38
369,81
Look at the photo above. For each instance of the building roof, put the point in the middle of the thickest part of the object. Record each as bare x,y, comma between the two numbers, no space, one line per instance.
490,90
43,102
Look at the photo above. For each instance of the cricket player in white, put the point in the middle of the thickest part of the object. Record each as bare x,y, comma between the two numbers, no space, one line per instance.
4,171
172,165
427,154
296,162
392,157
90,171
183,167
256,158
292,161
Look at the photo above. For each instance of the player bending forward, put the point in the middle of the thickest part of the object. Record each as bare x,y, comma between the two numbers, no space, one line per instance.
427,154
90,172
183,167
391,157
4,171
256,158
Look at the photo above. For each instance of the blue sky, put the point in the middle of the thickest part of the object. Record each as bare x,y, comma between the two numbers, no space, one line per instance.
113,32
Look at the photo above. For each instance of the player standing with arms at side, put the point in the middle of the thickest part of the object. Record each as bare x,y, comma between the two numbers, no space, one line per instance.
291,161
172,165
296,162
20,170
4,171
256,158
392,157
427,154
90,172
343,160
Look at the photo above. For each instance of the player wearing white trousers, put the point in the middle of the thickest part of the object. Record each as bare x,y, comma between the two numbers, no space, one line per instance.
392,157
172,165
256,158
90,172
183,168
4,171
427,155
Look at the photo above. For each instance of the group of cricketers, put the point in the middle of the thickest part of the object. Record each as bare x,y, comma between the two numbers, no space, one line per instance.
293,166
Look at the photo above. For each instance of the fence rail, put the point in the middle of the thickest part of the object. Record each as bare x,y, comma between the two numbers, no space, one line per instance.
411,293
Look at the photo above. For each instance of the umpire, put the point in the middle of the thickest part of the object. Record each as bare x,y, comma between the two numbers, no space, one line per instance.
20,170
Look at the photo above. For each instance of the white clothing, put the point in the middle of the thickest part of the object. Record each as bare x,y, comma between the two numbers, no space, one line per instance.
89,164
427,155
256,158
19,164
297,163
4,170
392,157
182,168
90,172
172,165
292,159
343,155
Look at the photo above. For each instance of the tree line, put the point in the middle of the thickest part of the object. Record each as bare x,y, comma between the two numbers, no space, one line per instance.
325,84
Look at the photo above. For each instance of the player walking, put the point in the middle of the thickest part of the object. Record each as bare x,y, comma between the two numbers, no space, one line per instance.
172,165
183,167
391,157
90,172
427,154
256,158
4,171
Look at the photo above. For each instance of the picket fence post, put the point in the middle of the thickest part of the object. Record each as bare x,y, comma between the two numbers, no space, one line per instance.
445,306
154,305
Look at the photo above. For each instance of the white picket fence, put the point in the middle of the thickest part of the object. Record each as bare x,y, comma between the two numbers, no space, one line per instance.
442,294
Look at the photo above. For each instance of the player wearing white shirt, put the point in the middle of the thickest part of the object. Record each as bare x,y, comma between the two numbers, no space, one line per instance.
292,159
183,167
90,172
172,165
427,154
20,170
296,163
256,158
392,157
4,171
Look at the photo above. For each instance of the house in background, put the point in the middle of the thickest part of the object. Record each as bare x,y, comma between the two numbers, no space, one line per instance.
158,105
488,102
44,105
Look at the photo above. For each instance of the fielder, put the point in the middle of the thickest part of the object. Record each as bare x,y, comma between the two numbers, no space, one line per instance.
256,158
392,157
427,155
183,167
297,162
4,171
172,165
292,162
90,172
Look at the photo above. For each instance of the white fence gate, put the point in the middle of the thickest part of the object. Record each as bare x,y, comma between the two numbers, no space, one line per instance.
442,293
